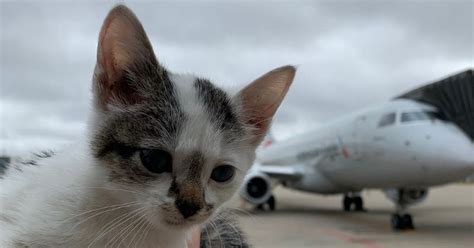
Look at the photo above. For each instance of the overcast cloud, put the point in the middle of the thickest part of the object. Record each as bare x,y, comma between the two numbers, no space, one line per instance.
349,55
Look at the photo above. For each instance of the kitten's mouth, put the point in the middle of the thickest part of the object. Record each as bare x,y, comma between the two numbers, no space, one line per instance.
179,224
175,223
183,222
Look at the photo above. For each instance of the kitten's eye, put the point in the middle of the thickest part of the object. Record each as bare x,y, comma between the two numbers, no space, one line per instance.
156,161
223,173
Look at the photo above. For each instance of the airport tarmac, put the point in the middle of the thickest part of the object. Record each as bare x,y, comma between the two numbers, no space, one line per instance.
444,219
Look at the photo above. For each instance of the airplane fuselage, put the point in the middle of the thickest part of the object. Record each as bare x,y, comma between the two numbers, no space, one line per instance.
402,143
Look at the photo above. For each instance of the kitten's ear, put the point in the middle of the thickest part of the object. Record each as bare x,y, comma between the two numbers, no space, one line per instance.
124,53
261,99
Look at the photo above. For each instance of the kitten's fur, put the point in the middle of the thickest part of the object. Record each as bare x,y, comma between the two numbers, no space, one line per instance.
98,193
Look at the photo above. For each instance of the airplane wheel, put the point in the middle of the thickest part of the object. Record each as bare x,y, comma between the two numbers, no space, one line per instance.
347,203
359,203
271,203
400,222
408,221
396,222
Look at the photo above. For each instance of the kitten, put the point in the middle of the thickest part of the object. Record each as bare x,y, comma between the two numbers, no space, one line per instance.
164,151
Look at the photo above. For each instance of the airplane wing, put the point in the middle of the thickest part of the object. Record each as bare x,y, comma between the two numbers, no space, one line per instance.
283,173
288,172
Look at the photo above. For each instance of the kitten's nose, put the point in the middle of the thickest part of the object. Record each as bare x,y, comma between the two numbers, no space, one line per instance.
187,208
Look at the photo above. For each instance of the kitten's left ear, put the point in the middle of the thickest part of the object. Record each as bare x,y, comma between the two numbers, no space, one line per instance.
124,54
260,100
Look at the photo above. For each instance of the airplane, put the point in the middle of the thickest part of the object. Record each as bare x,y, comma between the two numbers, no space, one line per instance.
417,140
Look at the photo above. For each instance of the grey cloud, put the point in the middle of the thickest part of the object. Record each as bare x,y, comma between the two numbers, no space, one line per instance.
349,55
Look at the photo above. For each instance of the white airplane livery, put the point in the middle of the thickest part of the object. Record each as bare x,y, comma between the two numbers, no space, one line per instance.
420,139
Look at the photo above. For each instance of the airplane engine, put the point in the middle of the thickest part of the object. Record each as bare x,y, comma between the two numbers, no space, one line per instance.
257,188
407,196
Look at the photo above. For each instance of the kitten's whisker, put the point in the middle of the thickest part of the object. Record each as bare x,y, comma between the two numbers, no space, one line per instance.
136,231
148,231
140,217
108,225
114,189
114,224
102,208
121,231
140,230
139,225
127,229
145,233
100,213
148,226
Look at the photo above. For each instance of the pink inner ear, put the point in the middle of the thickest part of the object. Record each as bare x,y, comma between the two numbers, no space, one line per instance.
260,124
258,117
104,54
105,61
113,60
262,98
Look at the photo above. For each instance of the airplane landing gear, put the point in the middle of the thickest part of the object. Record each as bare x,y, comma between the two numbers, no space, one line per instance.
347,203
401,220
270,203
355,200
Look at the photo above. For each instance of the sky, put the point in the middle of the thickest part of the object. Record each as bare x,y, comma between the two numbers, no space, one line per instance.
349,54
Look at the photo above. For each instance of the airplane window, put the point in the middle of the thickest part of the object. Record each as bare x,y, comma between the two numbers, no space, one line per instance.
439,116
388,119
416,116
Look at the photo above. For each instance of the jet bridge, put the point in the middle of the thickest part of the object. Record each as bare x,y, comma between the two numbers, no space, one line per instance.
454,98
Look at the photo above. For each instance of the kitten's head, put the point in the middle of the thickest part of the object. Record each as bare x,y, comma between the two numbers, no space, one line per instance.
175,144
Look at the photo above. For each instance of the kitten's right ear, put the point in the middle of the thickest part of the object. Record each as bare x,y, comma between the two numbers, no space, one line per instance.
124,53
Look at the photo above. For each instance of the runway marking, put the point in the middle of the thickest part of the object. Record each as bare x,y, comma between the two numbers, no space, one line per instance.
348,237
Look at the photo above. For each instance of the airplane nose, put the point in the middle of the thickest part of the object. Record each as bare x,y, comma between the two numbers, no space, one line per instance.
462,157
186,208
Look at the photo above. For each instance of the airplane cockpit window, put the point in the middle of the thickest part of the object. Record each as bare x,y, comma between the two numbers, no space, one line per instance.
387,120
417,116
438,115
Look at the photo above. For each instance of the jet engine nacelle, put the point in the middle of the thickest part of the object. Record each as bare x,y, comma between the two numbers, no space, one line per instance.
257,188
407,196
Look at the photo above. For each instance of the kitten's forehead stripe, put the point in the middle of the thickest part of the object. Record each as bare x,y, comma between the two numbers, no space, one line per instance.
217,102
195,163
159,117
190,191
165,105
